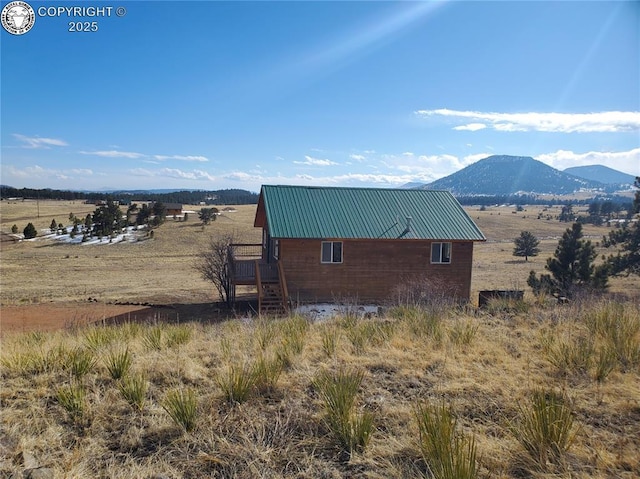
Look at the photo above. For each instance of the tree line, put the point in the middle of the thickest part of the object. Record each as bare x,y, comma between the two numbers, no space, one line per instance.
189,197
619,202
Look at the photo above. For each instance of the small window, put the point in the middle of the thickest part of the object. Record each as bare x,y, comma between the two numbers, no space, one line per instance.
276,249
440,253
331,252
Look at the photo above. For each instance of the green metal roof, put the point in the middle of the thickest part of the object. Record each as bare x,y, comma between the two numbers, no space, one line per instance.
364,213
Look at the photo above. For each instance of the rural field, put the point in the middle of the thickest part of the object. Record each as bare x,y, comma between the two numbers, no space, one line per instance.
44,273
521,389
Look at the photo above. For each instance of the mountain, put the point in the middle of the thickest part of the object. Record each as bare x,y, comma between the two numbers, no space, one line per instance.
412,185
600,173
509,175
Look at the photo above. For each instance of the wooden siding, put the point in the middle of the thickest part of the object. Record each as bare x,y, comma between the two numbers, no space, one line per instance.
371,269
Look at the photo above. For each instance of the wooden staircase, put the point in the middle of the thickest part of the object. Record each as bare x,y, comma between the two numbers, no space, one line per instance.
273,297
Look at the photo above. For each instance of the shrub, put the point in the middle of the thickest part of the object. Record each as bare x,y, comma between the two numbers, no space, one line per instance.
448,453
182,406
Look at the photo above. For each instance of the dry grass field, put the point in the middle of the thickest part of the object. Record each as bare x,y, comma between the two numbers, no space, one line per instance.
160,271
533,388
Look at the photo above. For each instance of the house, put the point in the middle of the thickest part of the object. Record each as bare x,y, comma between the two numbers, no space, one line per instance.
325,243
173,209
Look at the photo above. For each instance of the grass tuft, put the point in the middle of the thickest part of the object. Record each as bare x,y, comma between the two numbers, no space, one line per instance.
448,453
462,333
182,406
134,389
80,362
338,392
545,428
72,398
118,362
153,338
237,382
178,335
267,371
330,336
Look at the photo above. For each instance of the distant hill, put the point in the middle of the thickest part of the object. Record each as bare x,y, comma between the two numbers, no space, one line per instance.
600,173
412,185
509,175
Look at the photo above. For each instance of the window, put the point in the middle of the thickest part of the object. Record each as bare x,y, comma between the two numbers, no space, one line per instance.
440,253
331,252
276,249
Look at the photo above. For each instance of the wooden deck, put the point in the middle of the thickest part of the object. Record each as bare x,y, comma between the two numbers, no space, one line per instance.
244,261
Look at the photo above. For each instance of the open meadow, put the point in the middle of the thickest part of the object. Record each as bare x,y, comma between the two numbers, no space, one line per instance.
160,271
520,389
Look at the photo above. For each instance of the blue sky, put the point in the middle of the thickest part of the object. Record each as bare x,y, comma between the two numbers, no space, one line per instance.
212,95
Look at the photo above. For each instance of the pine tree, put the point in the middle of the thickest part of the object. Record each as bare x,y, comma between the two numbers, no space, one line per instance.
107,219
627,261
53,226
143,215
526,245
207,215
159,211
88,222
30,231
571,267
14,229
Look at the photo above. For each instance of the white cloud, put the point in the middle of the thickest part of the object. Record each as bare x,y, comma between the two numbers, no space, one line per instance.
598,122
626,161
308,160
423,167
358,157
38,142
471,127
188,175
114,154
81,171
196,175
181,158
11,173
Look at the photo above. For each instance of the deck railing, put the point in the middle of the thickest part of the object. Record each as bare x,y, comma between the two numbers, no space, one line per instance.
242,261
245,250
